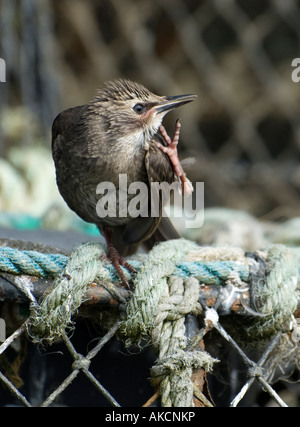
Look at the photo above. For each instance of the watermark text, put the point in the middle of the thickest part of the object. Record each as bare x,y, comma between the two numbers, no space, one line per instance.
138,200
296,72
2,71
2,330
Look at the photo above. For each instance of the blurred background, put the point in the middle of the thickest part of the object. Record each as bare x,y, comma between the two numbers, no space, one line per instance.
241,136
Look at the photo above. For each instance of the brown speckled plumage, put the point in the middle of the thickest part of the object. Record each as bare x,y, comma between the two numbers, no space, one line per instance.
98,141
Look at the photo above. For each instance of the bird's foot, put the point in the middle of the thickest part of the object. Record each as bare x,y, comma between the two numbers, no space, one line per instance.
171,150
116,259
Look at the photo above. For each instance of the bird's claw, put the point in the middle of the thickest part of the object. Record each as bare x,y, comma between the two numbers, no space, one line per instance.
116,259
171,151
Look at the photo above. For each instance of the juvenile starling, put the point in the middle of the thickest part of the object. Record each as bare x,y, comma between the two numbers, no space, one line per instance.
119,132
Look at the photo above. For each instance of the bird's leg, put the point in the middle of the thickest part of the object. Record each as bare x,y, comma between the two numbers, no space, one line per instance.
171,150
115,258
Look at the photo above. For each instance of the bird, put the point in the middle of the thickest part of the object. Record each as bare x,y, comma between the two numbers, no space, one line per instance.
119,133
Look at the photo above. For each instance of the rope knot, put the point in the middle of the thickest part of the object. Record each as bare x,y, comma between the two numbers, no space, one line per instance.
180,298
173,375
150,286
81,363
178,362
255,371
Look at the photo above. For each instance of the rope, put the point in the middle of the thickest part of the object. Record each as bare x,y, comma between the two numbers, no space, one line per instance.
165,289
276,294
174,373
150,285
53,316
158,307
33,263
48,265
175,366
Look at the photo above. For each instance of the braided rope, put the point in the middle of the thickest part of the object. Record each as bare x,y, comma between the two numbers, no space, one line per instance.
15,261
33,263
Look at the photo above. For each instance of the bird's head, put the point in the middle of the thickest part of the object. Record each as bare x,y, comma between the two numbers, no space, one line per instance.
128,109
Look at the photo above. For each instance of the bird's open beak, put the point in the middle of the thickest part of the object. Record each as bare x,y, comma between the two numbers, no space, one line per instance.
171,102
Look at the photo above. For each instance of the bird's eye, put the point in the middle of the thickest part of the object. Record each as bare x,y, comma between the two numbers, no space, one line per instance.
139,108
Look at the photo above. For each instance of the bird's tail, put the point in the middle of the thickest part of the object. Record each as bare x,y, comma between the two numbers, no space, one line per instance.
165,231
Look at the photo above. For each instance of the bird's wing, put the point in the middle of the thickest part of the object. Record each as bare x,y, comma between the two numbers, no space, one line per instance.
141,228
64,144
64,123
155,227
